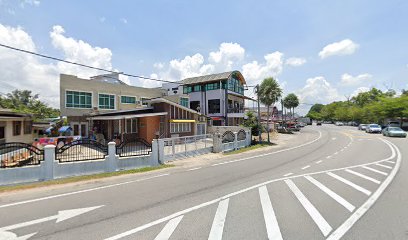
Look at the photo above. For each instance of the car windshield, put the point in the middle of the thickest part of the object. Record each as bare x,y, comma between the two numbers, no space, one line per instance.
394,129
374,126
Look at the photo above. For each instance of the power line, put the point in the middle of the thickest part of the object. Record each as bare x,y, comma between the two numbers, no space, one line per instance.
86,66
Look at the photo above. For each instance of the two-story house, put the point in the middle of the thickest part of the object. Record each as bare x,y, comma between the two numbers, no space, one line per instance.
219,96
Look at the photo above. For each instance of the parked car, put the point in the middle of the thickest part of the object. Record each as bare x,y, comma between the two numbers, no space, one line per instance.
362,127
373,128
319,123
302,124
339,124
394,132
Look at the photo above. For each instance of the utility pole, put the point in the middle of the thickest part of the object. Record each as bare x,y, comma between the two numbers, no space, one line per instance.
283,124
259,115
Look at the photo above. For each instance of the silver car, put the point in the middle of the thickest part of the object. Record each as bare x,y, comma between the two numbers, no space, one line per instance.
373,128
394,132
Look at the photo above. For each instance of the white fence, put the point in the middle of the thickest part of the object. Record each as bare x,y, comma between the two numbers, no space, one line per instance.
241,140
181,147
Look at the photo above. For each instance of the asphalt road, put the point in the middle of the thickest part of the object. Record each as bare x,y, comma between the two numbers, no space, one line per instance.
329,183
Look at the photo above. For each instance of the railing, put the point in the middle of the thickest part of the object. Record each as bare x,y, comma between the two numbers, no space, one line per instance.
241,135
228,136
81,150
16,154
236,110
179,147
133,147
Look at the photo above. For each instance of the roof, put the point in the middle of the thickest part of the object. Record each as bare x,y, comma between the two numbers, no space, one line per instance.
213,78
127,116
125,112
160,100
9,113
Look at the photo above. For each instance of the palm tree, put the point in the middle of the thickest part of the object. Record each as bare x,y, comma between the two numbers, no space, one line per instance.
269,93
291,101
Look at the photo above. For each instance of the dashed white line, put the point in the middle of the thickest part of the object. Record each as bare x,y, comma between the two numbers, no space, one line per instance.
332,194
363,176
287,174
217,227
351,184
272,226
320,161
321,223
305,167
328,157
384,166
336,153
375,170
168,230
192,169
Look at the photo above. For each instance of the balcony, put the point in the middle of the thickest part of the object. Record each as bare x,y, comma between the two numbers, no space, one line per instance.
236,110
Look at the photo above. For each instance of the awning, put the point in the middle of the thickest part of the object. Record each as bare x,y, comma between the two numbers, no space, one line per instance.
64,129
182,121
118,117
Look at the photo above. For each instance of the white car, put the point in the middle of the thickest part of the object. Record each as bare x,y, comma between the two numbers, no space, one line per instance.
373,128
339,124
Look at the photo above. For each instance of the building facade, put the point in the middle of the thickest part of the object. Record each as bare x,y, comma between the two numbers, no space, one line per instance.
15,127
219,96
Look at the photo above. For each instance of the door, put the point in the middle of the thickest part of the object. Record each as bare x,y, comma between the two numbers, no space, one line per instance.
200,129
80,129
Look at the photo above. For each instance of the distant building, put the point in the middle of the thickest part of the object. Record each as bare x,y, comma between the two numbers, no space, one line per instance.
15,127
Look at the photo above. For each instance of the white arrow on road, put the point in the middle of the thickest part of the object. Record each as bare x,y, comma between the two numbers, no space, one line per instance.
61,216
13,236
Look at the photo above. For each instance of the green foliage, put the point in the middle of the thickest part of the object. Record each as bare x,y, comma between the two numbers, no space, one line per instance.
371,106
291,101
252,122
23,101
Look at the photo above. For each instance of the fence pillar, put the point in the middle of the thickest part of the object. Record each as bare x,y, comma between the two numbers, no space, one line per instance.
235,140
49,159
111,159
217,143
154,157
160,151
248,138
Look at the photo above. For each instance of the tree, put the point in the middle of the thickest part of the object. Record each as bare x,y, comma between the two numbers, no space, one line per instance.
269,93
251,121
291,101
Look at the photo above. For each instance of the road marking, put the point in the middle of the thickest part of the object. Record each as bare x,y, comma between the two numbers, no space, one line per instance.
390,162
363,176
334,138
13,236
323,225
328,157
272,226
185,211
382,165
192,169
332,194
340,231
305,167
168,230
80,191
59,217
336,153
319,161
267,154
287,174
217,227
353,185
375,170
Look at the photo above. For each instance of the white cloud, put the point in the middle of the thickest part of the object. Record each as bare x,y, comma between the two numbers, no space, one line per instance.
23,3
318,90
360,90
349,80
295,62
102,19
158,65
227,56
255,72
124,20
344,47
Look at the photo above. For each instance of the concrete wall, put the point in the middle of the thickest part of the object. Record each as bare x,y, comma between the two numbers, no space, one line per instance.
223,129
9,137
69,82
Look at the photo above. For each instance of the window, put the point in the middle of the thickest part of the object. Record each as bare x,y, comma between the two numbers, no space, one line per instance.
197,88
195,105
214,106
144,101
131,125
187,89
16,128
184,102
212,86
2,133
76,99
180,127
28,127
235,85
127,100
106,101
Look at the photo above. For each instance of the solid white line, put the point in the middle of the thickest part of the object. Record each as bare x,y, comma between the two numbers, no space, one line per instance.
363,176
305,167
323,225
81,191
272,226
332,194
267,154
353,185
328,157
340,231
384,166
192,169
390,162
217,227
168,230
375,170
185,211
288,174
319,161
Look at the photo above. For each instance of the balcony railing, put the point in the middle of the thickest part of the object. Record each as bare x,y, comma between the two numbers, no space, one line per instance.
236,110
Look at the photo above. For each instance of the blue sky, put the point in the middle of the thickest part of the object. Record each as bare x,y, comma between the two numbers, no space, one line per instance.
366,42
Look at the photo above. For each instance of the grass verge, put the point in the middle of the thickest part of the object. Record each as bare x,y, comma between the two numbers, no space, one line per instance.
252,147
79,178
